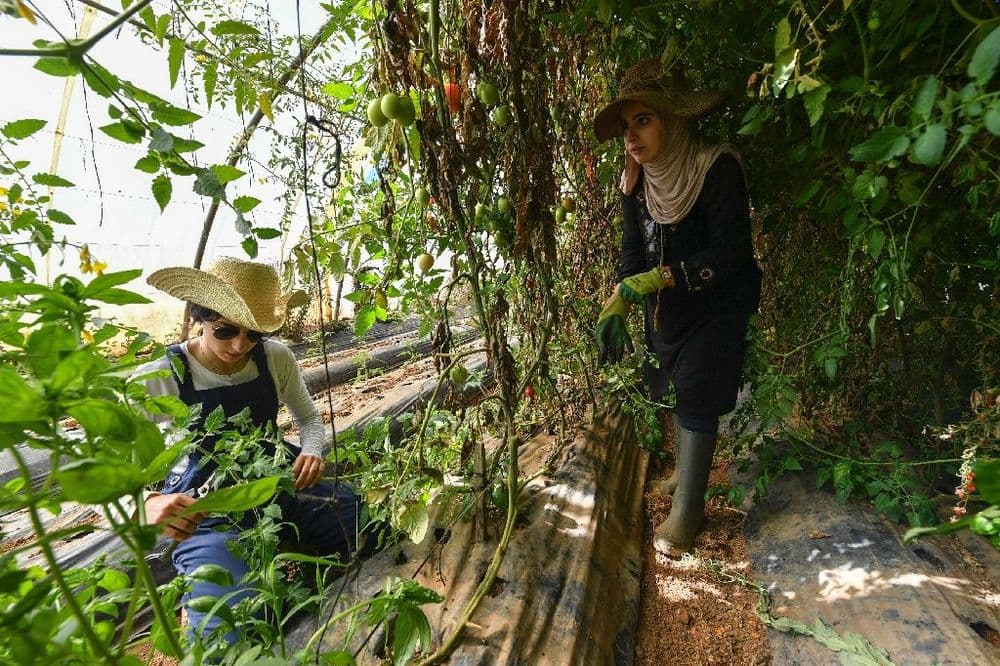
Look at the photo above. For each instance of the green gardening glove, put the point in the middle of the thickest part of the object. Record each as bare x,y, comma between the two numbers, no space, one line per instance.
634,288
612,334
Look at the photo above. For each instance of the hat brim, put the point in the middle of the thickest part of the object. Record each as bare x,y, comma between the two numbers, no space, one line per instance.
210,291
684,103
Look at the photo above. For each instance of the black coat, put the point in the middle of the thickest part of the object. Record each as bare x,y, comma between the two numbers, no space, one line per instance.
700,337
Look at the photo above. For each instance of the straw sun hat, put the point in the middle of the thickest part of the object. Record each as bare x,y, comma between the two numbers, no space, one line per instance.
245,292
666,90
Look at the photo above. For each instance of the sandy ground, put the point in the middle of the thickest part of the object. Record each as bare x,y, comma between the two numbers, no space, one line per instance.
688,615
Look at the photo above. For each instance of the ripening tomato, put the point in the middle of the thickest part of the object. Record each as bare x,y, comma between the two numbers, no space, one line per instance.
453,93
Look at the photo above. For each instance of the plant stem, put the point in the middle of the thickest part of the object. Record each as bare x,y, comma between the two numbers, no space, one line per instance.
861,41
146,577
872,463
36,523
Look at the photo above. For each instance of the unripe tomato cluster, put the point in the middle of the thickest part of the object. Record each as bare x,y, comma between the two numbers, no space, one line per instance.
391,106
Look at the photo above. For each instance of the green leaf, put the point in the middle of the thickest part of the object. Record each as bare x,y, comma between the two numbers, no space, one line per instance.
74,366
927,149
988,480
59,217
875,238
984,60
266,233
100,80
815,102
22,129
415,593
236,498
992,118
22,403
56,66
234,28
887,143
784,69
46,347
157,470
175,57
413,520
249,246
162,141
242,226
943,528
162,189
410,627
782,36
98,481
209,78
174,115
108,280
125,131
113,580
924,102
337,658
338,90
103,418
186,145
148,164
212,573
162,25
207,184
51,180
148,443
226,173
364,319
121,297
245,204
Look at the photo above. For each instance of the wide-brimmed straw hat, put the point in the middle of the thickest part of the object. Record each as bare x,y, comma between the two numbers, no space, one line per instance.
245,292
664,89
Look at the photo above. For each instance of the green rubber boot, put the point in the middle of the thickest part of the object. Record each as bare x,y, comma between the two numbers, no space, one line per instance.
687,514
668,486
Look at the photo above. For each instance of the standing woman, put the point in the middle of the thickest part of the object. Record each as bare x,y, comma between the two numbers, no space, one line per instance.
233,366
687,256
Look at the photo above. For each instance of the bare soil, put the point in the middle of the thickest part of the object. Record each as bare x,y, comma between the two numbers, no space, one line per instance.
688,615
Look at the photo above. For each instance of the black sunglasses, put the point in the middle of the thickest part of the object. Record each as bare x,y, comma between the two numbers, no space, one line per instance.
230,331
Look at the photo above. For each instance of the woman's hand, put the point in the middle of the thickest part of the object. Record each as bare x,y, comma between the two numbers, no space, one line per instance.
166,510
307,470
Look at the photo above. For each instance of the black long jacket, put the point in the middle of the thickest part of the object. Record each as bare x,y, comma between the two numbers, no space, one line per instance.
699,339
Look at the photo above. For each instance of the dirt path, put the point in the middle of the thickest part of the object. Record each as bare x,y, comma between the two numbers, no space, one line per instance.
687,615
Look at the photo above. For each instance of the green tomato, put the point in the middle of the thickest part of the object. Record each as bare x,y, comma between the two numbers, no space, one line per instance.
487,93
501,116
459,374
407,114
480,211
375,115
560,214
391,105
503,205
423,196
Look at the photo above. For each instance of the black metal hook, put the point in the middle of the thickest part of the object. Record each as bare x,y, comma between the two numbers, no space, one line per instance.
331,177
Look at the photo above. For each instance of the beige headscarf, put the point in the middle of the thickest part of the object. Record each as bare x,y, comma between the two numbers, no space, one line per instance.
674,178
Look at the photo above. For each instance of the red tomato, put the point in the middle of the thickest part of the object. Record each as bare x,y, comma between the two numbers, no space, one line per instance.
453,92
529,392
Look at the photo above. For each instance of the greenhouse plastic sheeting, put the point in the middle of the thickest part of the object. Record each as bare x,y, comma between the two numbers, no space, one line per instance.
567,591
847,566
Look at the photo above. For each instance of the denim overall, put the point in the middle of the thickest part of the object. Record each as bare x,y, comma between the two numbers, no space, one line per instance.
328,525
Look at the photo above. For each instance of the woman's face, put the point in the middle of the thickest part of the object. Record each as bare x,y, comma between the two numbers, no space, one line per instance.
227,353
643,131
